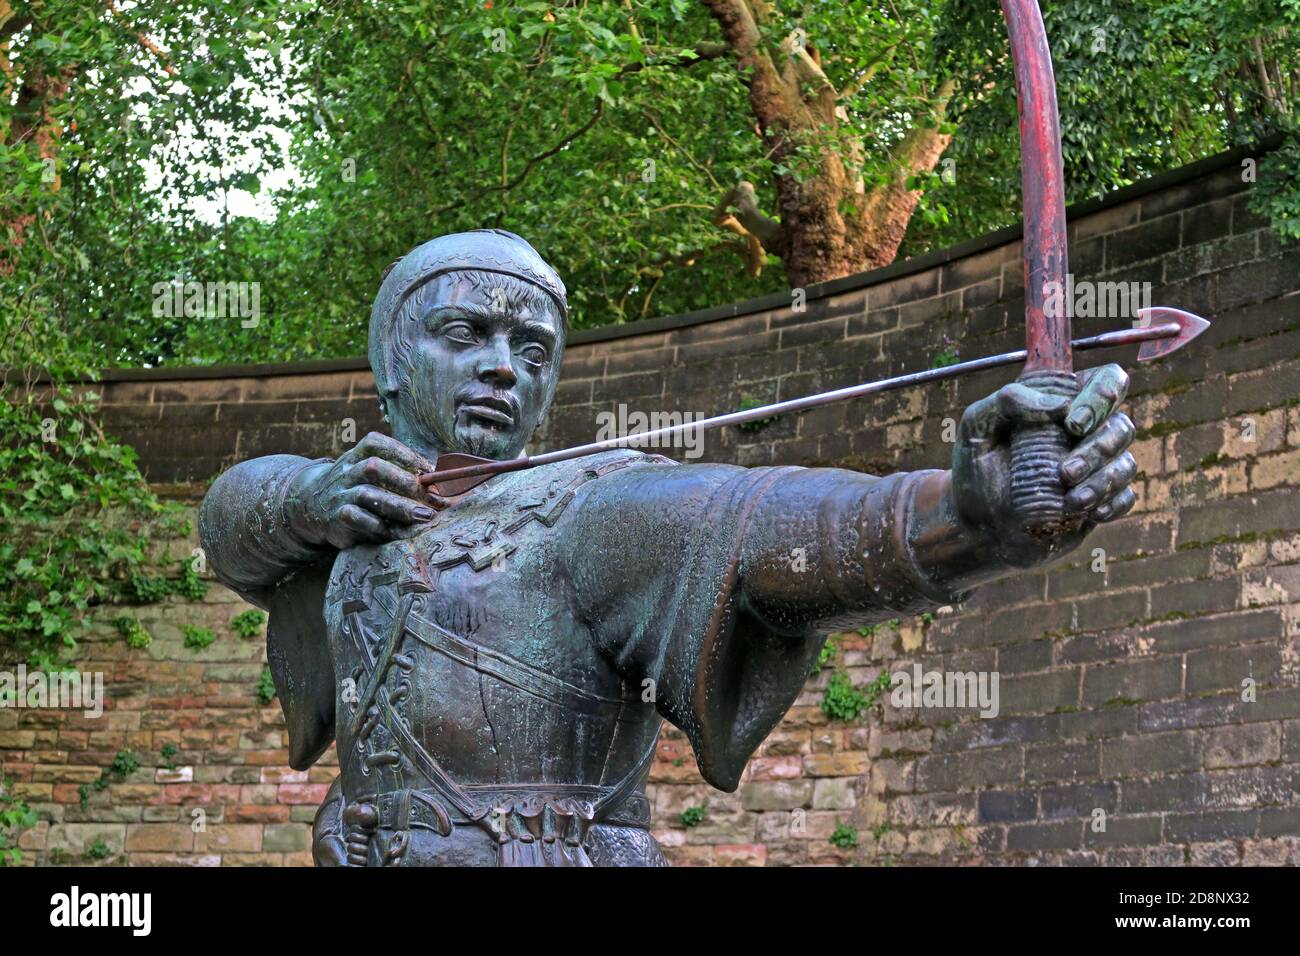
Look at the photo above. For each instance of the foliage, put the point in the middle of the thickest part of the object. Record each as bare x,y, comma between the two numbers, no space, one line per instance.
15,817
826,655
167,752
146,589
189,585
78,518
693,816
608,134
748,402
265,685
135,633
248,624
871,630
843,701
124,764
197,638
98,850
948,355
844,836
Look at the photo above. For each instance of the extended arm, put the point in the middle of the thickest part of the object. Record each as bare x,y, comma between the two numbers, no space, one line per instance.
834,548
929,537
266,518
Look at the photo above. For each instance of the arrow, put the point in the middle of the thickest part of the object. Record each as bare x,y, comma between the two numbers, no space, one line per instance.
457,473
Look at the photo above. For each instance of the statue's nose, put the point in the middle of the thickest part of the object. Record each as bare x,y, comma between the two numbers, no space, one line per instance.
496,366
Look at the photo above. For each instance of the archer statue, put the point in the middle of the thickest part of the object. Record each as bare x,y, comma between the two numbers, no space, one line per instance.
495,660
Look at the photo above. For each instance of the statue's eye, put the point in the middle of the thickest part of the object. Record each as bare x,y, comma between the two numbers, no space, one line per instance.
534,354
459,332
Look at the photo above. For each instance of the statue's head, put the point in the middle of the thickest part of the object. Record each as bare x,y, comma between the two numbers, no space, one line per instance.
466,337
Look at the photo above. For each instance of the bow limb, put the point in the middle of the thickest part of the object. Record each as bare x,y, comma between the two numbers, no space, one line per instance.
1036,451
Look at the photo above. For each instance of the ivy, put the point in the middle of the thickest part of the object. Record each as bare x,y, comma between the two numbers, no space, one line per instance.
146,589
81,525
135,633
248,624
843,701
844,836
827,654
165,754
197,638
693,816
15,817
747,403
265,685
124,764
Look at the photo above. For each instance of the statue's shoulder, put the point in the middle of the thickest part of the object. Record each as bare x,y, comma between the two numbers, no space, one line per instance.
598,465
557,483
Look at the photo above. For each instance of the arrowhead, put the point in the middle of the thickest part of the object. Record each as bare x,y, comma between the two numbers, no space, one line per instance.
1191,326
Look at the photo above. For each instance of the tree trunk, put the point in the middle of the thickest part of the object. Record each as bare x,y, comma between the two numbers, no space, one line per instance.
829,225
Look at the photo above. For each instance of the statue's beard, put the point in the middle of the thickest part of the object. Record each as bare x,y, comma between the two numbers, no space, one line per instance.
446,427
477,438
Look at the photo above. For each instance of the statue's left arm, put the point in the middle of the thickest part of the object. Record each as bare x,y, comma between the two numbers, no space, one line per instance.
718,583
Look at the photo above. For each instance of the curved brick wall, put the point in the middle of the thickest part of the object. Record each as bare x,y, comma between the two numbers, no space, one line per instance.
1120,688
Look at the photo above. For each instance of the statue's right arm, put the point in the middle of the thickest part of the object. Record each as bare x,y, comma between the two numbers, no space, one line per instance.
246,530
266,518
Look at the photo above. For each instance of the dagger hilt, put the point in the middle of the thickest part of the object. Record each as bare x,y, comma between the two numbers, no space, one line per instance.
1037,492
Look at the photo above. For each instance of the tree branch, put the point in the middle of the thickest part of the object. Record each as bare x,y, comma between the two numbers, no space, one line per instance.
144,41
855,87
743,198
528,166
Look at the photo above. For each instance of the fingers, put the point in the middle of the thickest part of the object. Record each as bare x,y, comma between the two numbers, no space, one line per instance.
390,449
379,473
1104,390
1103,445
355,524
1102,484
388,506
1117,506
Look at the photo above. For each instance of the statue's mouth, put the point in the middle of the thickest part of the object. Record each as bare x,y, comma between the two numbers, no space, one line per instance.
494,410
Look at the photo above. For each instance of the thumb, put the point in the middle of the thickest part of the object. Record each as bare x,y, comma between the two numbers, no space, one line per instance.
1019,405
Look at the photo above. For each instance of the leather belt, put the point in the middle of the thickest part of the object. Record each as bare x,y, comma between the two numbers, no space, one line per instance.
425,811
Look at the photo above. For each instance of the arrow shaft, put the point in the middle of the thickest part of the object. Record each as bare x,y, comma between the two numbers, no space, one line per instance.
925,376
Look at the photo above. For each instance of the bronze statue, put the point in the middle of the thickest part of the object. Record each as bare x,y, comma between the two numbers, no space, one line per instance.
494,656
495,664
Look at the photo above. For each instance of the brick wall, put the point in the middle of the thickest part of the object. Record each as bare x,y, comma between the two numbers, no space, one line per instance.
1121,674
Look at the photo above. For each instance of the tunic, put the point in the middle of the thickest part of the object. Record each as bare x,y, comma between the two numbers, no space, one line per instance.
496,678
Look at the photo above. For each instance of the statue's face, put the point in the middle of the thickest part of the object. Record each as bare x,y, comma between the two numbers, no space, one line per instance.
483,363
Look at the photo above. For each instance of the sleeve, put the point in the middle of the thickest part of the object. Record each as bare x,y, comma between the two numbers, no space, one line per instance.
242,526
251,549
718,584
